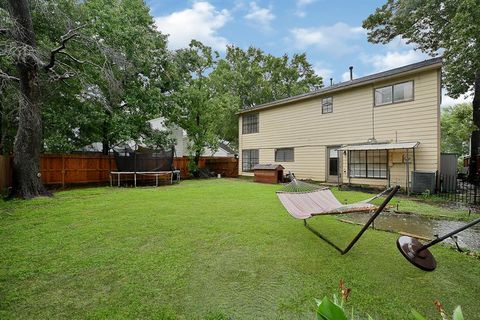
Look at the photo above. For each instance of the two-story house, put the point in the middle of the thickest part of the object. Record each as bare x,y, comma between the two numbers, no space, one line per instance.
374,130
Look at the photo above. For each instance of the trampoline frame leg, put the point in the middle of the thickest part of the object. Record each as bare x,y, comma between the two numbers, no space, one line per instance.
364,228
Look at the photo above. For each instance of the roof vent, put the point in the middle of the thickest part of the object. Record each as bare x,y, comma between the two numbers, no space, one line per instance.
351,73
331,81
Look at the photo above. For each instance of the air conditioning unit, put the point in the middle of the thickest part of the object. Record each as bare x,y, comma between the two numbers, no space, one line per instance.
423,181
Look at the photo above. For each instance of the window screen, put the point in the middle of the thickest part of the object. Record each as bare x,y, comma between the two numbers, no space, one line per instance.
284,155
368,164
397,93
249,159
403,91
383,95
327,105
250,123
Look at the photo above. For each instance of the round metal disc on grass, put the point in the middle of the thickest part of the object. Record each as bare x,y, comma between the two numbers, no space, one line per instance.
423,259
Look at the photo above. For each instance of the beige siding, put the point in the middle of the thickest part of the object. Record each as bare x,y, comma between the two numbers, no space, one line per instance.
302,125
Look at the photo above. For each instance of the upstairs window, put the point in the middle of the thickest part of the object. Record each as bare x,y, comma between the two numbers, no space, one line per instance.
399,92
327,105
250,123
403,91
249,159
284,155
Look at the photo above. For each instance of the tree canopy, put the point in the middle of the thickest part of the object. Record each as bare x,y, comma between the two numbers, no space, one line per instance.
439,27
456,127
253,77
98,70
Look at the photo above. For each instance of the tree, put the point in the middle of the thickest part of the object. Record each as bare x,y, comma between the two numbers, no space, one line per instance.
29,61
196,107
449,27
252,77
456,127
127,83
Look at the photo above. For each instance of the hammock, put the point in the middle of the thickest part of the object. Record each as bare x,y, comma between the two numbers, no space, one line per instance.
304,200
304,205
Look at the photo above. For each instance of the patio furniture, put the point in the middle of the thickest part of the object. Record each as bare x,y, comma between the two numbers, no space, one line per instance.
303,201
419,255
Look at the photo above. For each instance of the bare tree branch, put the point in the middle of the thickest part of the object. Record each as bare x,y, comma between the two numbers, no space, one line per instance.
63,42
71,57
62,77
6,76
4,32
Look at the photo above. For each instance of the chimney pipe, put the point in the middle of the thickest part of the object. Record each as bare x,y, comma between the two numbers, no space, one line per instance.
351,73
331,81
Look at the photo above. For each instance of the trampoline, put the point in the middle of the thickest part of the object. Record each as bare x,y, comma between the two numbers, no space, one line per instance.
144,162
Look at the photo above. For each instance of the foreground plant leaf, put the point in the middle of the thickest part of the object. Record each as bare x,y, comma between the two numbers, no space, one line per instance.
457,313
327,310
417,316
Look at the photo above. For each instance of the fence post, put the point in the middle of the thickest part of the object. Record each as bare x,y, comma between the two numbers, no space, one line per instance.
475,194
63,171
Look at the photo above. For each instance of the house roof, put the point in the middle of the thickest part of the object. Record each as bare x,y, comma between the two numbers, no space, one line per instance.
381,146
385,75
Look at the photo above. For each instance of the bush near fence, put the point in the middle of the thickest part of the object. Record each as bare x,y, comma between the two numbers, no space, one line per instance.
65,169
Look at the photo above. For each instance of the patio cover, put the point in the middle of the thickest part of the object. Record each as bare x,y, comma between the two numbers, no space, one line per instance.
381,146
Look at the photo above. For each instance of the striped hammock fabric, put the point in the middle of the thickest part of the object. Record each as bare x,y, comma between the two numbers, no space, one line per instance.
303,205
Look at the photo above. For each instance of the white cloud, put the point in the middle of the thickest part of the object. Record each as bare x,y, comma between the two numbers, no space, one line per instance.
260,16
336,38
346,76
201,22
324,71
300,12
304,2
448,101
393,59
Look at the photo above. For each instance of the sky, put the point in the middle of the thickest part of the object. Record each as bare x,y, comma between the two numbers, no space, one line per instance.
329,31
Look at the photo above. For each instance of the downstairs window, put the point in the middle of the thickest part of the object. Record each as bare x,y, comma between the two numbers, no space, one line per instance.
249,159
368,164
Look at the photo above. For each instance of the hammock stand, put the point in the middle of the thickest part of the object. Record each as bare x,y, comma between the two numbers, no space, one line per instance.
302,205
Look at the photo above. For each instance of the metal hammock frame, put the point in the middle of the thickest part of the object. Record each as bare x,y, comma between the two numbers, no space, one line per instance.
302,187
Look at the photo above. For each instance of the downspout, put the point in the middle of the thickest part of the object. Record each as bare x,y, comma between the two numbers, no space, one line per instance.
407,181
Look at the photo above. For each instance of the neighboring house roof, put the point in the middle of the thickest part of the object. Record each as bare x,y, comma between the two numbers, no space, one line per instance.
415,67
226,147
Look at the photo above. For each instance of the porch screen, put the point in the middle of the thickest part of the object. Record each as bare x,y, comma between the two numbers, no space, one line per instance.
368,164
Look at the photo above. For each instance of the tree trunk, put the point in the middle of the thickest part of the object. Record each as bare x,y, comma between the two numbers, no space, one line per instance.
105,142
198,151
28,141
475,139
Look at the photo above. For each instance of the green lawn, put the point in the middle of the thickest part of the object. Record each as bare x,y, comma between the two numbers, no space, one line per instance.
212,249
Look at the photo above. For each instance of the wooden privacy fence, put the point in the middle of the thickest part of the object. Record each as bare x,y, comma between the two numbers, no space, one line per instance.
64,169
5,172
